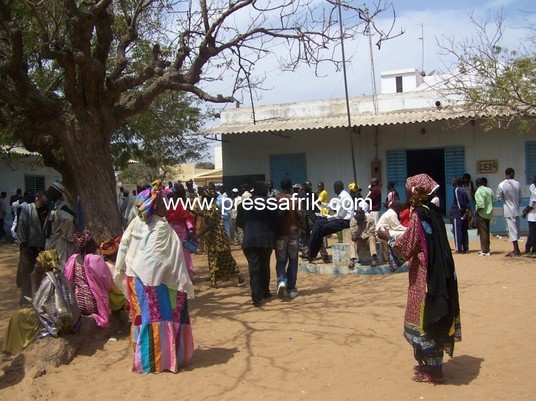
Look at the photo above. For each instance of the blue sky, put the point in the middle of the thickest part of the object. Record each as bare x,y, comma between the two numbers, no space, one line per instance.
439,19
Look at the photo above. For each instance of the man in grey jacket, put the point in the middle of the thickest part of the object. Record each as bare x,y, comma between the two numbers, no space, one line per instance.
31,239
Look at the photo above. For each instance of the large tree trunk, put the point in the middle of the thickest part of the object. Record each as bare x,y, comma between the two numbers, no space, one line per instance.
93,182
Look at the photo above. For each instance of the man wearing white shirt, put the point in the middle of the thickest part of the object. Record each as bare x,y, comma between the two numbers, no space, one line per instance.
343,206
509,192
389,221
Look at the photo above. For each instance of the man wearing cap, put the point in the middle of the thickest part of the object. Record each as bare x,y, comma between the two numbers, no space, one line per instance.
60,224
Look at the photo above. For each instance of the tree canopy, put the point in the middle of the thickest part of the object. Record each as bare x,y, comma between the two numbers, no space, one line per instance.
493,81
75,75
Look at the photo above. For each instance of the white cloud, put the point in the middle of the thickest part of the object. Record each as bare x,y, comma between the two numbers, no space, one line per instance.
402,52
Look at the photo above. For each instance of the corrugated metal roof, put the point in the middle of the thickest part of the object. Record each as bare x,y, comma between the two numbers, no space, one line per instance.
18,150
340,121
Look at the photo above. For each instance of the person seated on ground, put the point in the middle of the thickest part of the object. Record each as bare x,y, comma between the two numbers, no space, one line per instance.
389,221
363,232
54,310
108,249
91,279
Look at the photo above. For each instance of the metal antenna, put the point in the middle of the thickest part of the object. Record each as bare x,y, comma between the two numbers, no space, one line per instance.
422,45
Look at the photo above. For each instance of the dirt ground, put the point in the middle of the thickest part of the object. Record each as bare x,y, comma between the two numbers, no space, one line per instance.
340,339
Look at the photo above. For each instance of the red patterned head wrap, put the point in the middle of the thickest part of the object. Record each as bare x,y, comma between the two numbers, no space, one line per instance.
82,239
420,187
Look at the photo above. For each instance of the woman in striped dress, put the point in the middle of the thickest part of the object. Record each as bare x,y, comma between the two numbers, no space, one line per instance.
151,272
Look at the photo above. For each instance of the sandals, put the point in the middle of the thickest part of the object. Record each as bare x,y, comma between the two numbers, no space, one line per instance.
423,374
513,254
351,264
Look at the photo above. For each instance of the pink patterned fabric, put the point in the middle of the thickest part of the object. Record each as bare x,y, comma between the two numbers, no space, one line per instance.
84,298
99,279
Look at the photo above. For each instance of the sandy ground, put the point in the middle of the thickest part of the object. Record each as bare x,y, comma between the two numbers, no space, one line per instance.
341,339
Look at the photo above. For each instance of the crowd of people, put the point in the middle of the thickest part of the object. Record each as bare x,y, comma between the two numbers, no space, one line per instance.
64,274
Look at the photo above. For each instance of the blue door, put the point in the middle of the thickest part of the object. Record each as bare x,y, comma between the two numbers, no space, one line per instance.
292,165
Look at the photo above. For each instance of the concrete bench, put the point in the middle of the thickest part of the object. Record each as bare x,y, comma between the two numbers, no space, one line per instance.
342,252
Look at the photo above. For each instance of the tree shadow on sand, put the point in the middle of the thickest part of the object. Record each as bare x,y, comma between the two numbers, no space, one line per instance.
14,372
462,370
206,357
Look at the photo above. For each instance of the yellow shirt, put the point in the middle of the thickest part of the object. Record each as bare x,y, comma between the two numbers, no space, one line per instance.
324,198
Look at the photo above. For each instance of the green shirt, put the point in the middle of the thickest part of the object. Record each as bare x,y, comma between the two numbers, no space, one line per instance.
484,198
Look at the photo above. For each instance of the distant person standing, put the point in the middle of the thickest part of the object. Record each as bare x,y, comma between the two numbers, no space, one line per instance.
15,198
272,192
469,188
460,225
258,221
60,224
392,195
120,197
509,193
323,197
3,211
530,214
375,196
484,199
31,241
286,243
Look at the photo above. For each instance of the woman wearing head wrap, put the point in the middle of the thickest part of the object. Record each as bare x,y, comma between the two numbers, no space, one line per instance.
91,279
432,319
108,249
54,309
221,263
151,272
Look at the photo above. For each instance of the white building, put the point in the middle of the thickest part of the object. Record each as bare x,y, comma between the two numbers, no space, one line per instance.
409,129
20,168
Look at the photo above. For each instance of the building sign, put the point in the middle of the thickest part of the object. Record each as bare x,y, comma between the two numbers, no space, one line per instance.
487,166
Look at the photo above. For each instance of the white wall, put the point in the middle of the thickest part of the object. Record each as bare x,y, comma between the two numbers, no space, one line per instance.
411,80
12,174
329,156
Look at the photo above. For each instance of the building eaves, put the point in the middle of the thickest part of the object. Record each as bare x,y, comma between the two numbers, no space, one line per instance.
340,121
18,151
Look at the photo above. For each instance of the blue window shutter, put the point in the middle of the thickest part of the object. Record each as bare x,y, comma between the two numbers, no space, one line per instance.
530,161
293,166
454,167
397,170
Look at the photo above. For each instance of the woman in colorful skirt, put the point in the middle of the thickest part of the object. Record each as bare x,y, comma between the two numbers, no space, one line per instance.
432,319
221,264
151,272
